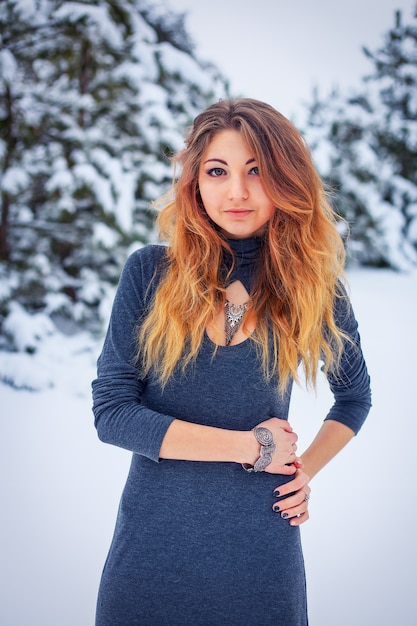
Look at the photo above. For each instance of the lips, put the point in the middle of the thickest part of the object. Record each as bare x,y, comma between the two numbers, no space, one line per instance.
238,212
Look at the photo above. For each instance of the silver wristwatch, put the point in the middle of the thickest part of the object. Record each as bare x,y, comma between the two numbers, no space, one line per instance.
265,438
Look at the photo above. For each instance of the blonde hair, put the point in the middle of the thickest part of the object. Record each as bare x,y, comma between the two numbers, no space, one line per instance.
301,264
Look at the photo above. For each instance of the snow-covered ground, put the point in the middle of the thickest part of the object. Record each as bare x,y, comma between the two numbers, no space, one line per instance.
60,486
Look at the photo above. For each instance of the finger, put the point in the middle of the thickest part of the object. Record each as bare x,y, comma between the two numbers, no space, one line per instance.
300,481
300,519
293,506
287,470
290,505
290,513
294,503
286,426
306,491
291,436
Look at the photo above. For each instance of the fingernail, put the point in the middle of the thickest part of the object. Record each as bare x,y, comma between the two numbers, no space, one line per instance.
276,509
276,494
284,515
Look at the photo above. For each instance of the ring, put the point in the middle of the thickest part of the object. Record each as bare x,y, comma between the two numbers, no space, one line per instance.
307,497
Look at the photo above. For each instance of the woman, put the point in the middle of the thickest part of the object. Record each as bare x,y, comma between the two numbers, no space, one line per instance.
205,340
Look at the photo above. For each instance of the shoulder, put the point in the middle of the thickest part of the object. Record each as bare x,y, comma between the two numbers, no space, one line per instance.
150,255
144,269
344,314
342,306
147,260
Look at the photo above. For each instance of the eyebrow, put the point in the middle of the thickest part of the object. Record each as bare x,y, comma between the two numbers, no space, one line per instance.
225,162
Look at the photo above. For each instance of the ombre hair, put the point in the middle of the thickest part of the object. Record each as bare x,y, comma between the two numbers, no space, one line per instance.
301,261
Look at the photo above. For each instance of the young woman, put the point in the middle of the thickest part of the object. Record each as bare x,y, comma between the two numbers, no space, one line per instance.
205,340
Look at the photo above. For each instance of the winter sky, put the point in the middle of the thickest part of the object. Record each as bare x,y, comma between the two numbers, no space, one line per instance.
278,51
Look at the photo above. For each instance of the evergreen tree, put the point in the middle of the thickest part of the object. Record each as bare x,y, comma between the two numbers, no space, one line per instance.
365,144
95,96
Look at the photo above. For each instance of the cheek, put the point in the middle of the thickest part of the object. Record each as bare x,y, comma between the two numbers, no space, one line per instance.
272,210
207,196
201,192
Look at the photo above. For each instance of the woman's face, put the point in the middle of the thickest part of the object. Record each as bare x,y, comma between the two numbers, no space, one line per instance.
231,189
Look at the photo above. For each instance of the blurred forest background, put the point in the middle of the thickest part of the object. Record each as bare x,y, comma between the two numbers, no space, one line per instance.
94,98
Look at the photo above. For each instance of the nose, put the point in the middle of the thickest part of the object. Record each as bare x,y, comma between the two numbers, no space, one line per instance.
237,189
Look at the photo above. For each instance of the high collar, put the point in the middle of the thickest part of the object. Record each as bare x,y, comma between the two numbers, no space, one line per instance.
246,253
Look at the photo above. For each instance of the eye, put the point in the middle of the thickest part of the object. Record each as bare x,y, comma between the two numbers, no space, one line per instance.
254,170
216,171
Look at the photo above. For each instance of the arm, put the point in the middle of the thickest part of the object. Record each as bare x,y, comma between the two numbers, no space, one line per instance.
122,419
192,442
351,390
119,415
329,441
331,438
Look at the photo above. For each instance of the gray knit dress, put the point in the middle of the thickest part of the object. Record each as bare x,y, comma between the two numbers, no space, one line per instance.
198,544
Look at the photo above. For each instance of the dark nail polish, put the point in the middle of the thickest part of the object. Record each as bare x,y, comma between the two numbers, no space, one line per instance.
276,494
284,515
276,509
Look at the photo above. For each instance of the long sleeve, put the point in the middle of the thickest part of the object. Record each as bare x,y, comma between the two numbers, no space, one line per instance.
351,384
120,417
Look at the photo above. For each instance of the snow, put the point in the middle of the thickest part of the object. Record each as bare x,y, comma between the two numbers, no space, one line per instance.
96,16
173,59
85,173
14,180
121,183
352,154
27,330
8,66
60,486
104,235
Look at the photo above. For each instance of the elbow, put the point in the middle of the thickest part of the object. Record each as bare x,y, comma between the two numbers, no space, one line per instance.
100,426
103,419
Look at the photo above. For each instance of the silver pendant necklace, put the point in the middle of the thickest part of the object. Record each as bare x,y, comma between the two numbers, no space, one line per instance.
234,314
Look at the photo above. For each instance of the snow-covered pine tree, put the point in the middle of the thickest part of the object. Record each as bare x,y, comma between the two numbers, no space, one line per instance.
365,145
95,95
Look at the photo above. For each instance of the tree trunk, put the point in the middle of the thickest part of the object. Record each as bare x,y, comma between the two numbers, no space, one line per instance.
84,77
5,198
4,223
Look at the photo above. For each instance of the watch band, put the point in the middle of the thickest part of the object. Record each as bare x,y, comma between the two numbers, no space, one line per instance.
268,447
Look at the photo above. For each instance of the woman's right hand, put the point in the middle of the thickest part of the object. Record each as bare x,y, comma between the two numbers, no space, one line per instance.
284,459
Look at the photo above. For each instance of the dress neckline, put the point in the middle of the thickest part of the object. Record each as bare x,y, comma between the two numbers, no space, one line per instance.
246,253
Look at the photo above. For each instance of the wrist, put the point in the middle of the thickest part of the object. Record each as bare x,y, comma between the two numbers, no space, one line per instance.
267,447
248,449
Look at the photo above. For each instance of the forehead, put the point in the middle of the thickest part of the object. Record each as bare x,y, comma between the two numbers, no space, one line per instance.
225,142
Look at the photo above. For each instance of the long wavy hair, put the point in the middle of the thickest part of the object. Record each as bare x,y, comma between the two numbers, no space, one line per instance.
300,268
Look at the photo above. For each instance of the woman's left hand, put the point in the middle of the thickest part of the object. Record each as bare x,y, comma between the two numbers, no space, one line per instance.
294,507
